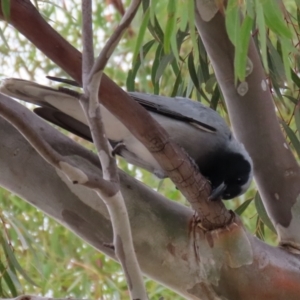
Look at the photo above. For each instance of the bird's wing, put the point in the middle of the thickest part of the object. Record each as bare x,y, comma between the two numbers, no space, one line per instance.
64,121
43,96
182,109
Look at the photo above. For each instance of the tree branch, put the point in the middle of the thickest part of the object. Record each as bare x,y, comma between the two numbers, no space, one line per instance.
255,123
123,243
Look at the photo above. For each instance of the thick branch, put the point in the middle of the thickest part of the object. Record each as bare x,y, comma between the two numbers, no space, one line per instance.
254,120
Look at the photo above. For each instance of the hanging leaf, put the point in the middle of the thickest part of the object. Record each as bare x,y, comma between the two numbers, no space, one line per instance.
274,18
5,6
232,21
215,98
297,119
8,280
260,208
152,10
285,57
260,229
241,53
260,21
276,65
292,137
192,71
156,62
170,25
141,35
13,261
295,78
191,13
243,207
164,62
176,84
132,73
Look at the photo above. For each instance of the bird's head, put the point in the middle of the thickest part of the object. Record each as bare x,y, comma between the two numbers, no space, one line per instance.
230,174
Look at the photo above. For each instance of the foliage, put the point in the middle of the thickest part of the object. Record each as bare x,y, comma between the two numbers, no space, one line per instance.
158,55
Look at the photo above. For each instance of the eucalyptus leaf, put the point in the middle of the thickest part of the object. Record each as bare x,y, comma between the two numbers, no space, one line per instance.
243,207
292,137
262,212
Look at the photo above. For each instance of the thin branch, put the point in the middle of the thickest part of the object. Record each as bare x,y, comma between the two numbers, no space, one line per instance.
123,242
33,297
87,40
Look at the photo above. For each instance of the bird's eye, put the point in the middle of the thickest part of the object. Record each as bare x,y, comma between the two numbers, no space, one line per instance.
239,179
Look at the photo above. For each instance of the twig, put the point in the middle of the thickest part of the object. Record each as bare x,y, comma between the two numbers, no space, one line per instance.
123,243
32,297
87,38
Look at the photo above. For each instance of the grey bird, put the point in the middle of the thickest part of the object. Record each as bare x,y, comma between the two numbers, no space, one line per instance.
198,129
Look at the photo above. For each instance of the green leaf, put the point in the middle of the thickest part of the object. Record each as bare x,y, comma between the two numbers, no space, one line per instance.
12,274
274,18
164,62
141,35
156,62
260,229
174,47
292,137
192,71
183,16
152,10
132,73
176,84
156,31
276,65
210,83
170,25
241,53
262,212
239,35
243,207
250,8
294,100
195,78
295,78
215,98
8,280
285,58
5,6
11,256
260,21
297,119
232,21
191,13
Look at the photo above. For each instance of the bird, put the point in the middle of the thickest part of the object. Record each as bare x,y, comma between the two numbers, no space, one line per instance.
198,129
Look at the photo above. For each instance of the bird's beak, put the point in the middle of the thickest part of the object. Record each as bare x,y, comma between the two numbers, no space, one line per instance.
217,192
